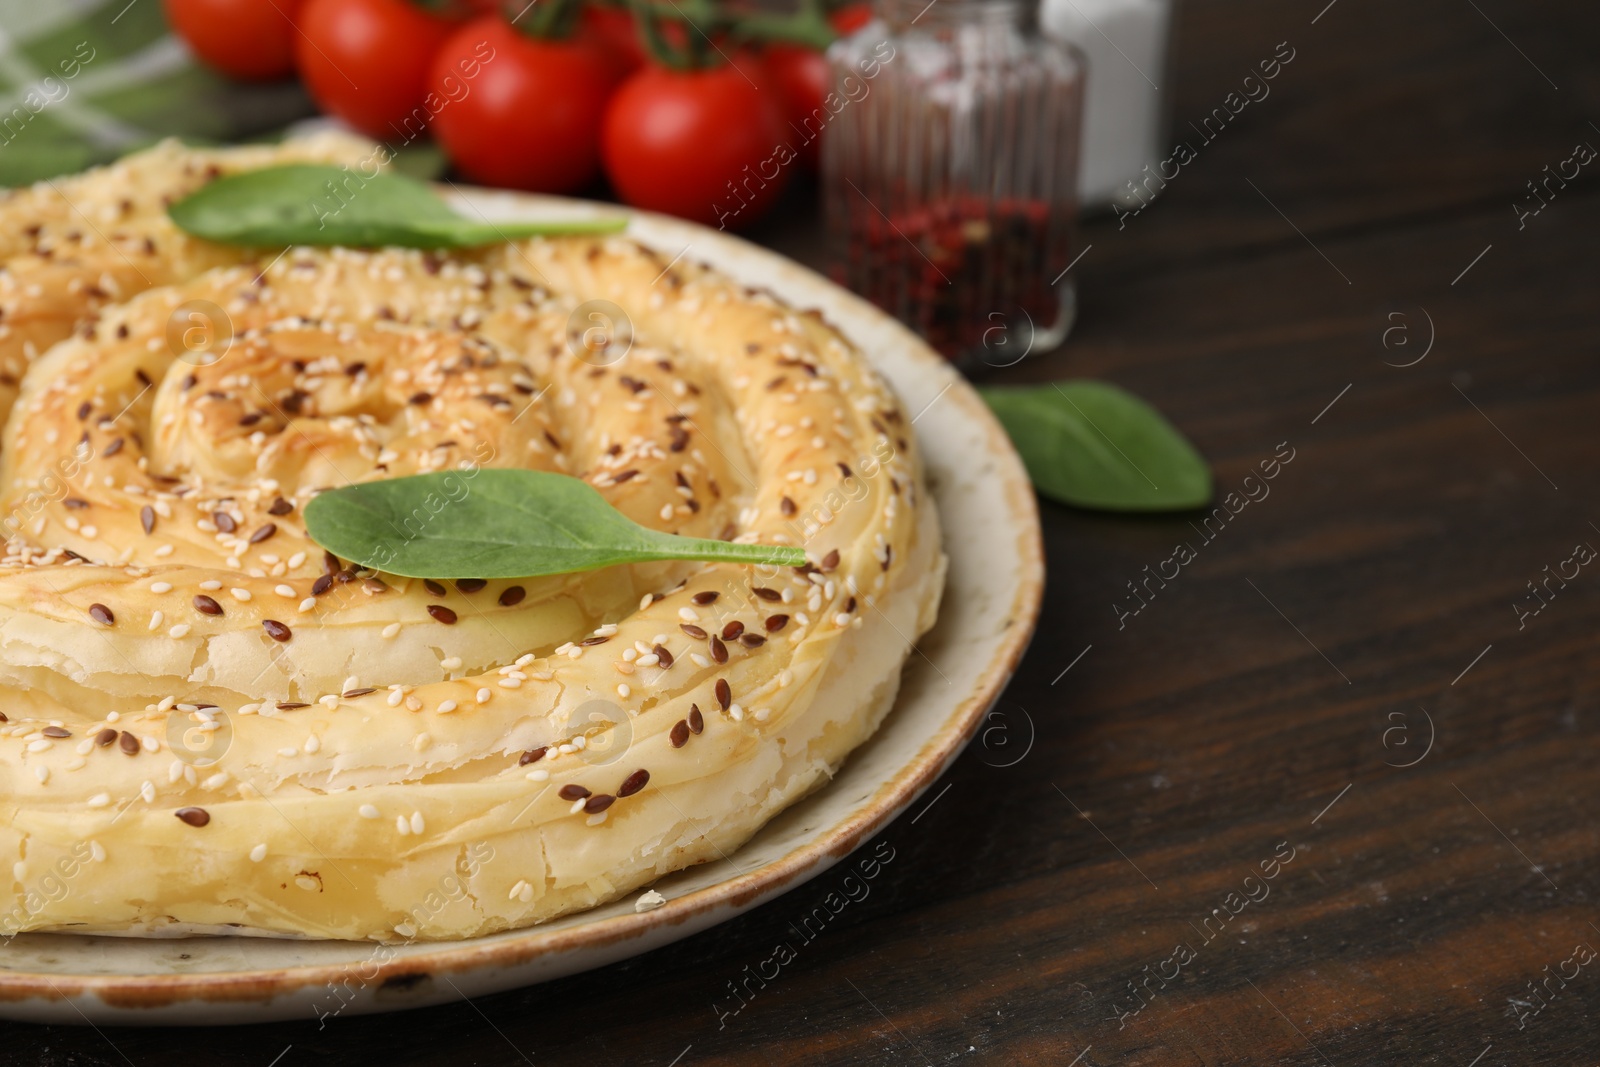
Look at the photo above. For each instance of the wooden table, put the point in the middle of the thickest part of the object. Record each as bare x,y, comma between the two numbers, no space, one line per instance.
1340,690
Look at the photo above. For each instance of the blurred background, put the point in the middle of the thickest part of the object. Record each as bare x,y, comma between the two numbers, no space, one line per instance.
930,154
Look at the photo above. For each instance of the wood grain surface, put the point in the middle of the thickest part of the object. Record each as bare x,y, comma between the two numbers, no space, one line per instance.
1340,690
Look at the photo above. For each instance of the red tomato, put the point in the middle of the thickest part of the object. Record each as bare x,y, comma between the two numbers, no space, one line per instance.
521,111
850,18
252,40
705,145
615,27
367,61
803,78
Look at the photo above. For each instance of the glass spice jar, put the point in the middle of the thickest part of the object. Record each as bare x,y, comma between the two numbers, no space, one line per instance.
950,170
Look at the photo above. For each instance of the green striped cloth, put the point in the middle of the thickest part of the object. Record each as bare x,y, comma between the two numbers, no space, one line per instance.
86,81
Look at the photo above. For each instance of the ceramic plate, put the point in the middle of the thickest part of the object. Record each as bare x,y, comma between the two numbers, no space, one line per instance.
991,530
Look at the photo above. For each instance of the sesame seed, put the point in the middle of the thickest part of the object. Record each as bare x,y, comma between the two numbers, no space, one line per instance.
286,591
161,587
484,695
369,811
624,691
258,853
240,594
390,630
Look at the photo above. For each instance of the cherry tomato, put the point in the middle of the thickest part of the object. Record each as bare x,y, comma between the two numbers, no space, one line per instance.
615,27
521,111
251,40
705,145
850,18
803,78
367,61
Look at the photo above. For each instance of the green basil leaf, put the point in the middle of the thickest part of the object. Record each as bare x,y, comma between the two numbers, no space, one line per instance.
1094,445
495,523
318,204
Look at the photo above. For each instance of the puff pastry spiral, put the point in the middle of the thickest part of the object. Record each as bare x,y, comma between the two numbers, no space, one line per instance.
216,727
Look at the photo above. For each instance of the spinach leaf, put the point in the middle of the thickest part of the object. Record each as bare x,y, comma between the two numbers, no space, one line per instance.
495,523
319,204
1095,445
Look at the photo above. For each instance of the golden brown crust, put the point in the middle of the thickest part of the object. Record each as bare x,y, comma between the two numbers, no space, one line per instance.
71,246
377,777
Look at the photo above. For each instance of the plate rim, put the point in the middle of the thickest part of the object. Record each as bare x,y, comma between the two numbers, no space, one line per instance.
122,992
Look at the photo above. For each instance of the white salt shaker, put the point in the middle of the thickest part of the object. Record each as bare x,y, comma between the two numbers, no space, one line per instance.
1124,123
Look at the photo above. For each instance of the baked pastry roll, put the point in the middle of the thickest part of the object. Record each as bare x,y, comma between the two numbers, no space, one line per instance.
70,246
219,728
